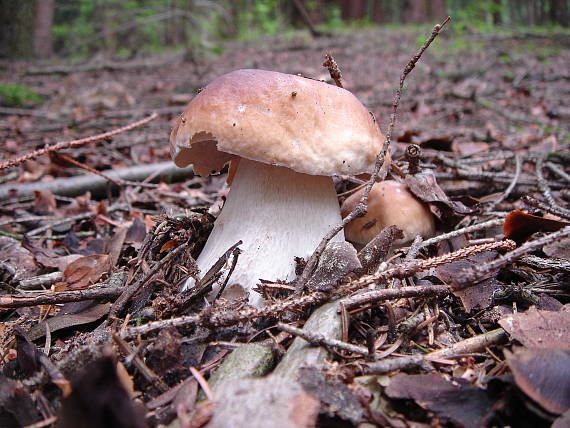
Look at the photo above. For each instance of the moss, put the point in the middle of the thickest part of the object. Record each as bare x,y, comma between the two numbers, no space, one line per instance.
14,95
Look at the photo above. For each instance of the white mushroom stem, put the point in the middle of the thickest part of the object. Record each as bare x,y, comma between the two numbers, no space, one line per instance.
279,214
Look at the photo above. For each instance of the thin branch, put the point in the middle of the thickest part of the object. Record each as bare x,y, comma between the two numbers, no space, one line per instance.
75,143
132,288
395,293
21,301
213,317
321,340
475,274
407,362
462,231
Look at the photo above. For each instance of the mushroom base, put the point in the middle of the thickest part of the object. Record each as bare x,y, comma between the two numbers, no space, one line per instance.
279,214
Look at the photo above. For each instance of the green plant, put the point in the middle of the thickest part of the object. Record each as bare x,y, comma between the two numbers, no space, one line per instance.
14,95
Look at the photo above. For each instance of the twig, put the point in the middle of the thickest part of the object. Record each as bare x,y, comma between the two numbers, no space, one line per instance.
74,218
458,232
21,301
512,185
73,186
40,281
473,275
334,70
321,340
558,171
203,383
132,288
362,205
467,346
405,270
75,143
144,370
303,11
87,168
545,189
219,317
395,293
533,202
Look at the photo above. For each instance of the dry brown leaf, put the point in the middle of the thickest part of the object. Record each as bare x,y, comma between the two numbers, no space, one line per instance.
86,271
540,329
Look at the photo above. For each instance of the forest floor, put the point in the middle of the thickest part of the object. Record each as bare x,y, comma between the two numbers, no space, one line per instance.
476,330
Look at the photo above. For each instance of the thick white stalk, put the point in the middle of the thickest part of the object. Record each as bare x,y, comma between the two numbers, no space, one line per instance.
279,214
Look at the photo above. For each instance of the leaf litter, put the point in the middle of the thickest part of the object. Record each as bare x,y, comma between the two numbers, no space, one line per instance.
489,151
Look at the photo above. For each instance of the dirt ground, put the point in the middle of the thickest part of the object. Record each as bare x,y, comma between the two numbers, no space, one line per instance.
476,330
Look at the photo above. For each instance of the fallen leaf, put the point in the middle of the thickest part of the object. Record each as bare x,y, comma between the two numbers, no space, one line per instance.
337,399
543,375
60,322
456,400
86,271
424,186
540,329
519,225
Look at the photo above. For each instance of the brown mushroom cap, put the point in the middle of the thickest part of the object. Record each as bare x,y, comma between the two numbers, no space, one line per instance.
279,119
389,203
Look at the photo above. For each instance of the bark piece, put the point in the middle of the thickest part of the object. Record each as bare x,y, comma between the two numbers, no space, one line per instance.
265,402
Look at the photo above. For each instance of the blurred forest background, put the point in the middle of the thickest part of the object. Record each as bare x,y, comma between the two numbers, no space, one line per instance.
76,29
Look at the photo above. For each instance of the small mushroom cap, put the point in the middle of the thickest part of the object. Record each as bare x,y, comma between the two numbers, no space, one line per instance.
279,119
389,203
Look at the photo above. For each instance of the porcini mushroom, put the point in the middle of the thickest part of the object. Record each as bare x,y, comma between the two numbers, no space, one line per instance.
290,134
389,203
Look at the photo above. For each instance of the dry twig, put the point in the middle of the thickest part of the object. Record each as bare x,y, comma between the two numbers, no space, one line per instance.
75,143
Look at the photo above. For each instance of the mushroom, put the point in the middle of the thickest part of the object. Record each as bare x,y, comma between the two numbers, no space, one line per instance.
289,134
389,203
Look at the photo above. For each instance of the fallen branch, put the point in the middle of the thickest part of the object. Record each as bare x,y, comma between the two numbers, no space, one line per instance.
214,317
74,186
75,143
322,340
377,296
111,289
407,362
475,274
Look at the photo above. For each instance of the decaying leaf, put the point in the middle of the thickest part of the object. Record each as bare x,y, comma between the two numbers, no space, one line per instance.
456,400
337,399
425,187
540,329
543,375
86,271
519,225
60,322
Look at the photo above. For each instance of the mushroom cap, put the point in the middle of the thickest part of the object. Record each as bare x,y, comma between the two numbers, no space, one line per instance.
278,119
389,203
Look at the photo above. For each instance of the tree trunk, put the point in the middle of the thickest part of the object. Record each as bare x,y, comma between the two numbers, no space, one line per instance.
353,9
559,12
16,22
438,10
43,22
497,12
416,11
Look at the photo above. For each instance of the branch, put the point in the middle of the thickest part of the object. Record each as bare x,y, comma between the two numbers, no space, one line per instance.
75,143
